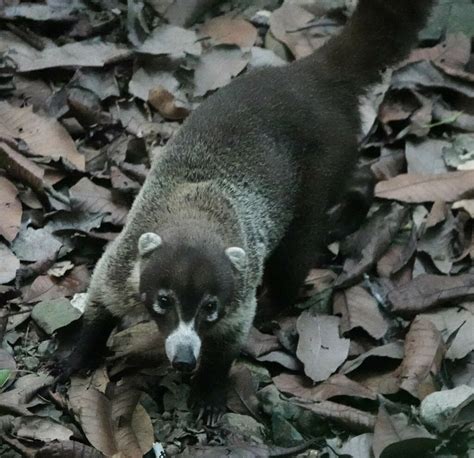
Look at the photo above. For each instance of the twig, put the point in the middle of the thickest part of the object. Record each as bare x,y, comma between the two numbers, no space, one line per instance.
27,35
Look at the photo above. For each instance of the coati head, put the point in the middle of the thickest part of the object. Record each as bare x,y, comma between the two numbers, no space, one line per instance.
187,287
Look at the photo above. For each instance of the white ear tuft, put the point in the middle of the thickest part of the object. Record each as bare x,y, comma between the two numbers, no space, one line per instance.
237,257
148,242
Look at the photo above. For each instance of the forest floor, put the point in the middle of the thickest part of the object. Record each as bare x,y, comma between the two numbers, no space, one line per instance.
377,357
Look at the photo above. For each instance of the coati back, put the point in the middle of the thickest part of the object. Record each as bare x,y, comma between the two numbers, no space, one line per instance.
242,192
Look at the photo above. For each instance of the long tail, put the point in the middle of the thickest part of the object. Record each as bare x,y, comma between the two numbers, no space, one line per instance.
380,33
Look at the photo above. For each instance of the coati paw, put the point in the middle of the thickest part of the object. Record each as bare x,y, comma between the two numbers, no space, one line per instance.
63,367
210,414
209,404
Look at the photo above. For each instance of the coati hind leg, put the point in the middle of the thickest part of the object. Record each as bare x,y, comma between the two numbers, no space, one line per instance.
287,269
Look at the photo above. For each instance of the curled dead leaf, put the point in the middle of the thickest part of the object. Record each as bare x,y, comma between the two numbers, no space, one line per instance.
360,310
225,30
165,103
217,67
446,187
21,168
10,209
336,385
44,136
424,353
351,418
428,291
395,436
89,197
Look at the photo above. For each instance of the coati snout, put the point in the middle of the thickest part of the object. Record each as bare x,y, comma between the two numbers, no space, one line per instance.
187,286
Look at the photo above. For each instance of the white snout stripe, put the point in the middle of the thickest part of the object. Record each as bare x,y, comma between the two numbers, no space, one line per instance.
185,335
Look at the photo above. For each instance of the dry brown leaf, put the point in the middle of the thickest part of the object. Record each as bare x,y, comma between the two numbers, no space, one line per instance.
392,350
48,287
132,427
288,25
438,213
21,168
87,53
465,204
456,325
282,358
428,291
172,40
259,343
426,157
9,264
217,67
384,381
447,187
225,30
390,164
357,447
69,449
116,425
320,348
424,353
145,79
336,385
142,429
93,410
44,136
24,389
359,309
446,409
40,428
318,280
10,209
36,245
242,394
89,197
164,102
366,246
454,52
398,255
394,436
349,417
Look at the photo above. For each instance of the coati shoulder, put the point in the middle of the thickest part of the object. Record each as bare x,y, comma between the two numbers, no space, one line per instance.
242,191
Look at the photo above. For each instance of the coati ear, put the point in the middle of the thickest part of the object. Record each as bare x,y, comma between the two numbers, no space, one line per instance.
237,257
148,242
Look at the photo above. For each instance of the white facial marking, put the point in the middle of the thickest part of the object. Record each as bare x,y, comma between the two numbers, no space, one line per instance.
186,335
156,305
213,316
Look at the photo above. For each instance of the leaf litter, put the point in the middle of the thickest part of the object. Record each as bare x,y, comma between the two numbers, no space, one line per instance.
381,340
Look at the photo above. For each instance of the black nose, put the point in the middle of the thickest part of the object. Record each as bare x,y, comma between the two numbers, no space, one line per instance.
184,360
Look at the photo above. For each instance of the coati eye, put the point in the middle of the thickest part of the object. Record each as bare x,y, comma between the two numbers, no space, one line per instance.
162,304
210,309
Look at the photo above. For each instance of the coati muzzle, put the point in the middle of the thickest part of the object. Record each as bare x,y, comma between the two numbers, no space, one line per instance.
183,346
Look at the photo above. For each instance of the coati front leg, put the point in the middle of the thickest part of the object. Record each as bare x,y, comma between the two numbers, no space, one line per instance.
97,324
210,384
211,381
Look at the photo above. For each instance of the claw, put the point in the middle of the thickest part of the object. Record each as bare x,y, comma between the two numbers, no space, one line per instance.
200,414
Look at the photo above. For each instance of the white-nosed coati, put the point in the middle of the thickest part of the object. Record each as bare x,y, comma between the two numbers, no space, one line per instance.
242,189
